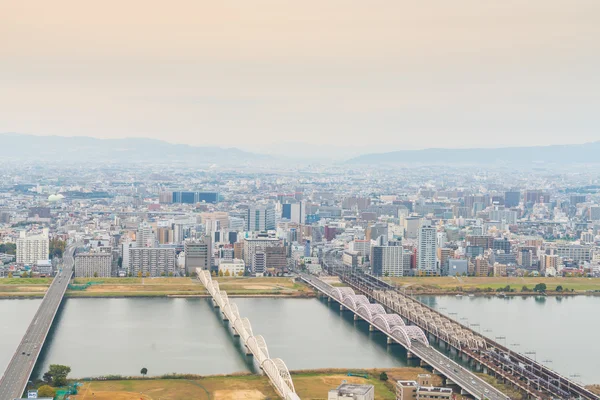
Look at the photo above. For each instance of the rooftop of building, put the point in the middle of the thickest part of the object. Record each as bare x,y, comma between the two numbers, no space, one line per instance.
349,388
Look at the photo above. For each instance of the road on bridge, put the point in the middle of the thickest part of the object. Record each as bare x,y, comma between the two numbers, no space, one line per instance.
16,376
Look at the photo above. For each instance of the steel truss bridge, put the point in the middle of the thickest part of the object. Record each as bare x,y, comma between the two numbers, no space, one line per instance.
411,337
531,377
274,368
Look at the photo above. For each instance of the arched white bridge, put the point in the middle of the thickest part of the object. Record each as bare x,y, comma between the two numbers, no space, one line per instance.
274,368
374,314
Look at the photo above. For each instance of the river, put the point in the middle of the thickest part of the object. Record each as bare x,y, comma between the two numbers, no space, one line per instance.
560,332
120,336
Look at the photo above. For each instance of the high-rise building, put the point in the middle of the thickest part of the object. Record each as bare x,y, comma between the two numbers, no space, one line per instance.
411,227
148,261
194,197
198,254
387,260
93,265
32,248
165,235
575,199
482,267
427,249
295,212
259,262
261,218
502,244
144,236
215,221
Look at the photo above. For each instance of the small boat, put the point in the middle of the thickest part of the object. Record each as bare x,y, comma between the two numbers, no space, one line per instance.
471,295
501,294
458,295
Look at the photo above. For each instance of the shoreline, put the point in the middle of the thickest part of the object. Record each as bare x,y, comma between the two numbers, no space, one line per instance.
166,295
495,294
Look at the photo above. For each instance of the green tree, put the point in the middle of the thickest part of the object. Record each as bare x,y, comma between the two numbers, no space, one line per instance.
139,274
8,248
57,247
46,391
383,376
47,378
559,288
170,274
144,371
59,374
95,274
540,287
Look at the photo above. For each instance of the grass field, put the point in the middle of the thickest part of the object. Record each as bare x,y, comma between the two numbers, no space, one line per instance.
310,385
156,287
450,283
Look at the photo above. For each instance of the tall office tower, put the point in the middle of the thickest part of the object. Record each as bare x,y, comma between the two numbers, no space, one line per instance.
377,230
237,224
354,202
238,250
387,260
537,196
426,253
93,265
198,254
512,199
32,248
261,217
144,236
126,245
148,261
195,197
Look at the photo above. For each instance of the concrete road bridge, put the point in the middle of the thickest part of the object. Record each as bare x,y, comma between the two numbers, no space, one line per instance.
15,378
411,337
255,345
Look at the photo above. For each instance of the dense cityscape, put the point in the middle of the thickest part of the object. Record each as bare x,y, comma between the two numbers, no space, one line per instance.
538,228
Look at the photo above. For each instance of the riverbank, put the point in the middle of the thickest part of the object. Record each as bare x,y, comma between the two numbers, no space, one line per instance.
486,286
156,287
309,385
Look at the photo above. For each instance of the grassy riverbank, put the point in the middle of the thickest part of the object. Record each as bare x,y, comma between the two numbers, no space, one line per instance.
156,287
310,385
451,285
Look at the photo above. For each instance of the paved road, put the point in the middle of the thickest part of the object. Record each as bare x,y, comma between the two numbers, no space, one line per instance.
463,377
19,369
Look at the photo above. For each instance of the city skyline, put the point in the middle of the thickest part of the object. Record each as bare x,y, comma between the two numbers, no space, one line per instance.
261,75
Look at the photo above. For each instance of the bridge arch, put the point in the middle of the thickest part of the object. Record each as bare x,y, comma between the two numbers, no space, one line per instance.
399,333
368,311
416,333
354,301
340,293
388,321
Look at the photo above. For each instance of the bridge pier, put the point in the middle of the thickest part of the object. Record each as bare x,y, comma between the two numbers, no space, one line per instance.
235,334
423,364
215,305
391,341
248,352
224,317
410,355
356,317
342,308
372,328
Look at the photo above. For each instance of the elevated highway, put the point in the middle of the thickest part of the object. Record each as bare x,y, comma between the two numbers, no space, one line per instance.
15,378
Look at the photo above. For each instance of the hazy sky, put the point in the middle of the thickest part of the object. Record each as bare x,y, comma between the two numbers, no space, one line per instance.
375,75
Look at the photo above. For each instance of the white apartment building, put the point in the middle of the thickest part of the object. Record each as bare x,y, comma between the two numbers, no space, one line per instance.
93,265
234,267
427,249
151,261
387,260
32,248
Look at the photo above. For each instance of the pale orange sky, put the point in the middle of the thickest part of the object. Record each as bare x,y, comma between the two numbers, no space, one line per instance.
378,75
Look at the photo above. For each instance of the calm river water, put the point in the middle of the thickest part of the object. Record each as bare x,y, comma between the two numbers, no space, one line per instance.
120,336
561,332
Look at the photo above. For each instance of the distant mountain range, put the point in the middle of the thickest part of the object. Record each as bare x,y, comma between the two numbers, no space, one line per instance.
556,154
82,148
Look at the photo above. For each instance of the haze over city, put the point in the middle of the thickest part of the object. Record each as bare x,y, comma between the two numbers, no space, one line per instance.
266,74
